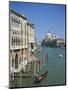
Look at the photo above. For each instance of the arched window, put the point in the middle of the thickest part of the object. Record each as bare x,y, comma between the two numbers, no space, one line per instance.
16,61
12,62
12,41
25,41
16,40
19,41
31,46
20,60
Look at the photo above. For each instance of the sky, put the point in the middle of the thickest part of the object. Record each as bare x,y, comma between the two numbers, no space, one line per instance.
46,17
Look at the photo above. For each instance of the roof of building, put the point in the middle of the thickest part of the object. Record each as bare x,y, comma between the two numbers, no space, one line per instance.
59,39
18,14
31,24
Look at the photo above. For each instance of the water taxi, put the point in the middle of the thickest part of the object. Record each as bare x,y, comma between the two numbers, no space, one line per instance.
60,56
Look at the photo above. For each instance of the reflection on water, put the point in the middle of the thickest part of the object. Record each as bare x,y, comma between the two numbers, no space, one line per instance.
54,65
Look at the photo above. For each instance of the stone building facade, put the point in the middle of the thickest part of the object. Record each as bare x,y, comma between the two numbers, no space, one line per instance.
22,41
31,40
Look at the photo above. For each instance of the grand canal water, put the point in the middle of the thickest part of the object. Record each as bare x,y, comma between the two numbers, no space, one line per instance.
55,67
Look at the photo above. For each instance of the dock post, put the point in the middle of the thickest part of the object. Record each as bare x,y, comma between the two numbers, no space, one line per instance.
20,78
37,66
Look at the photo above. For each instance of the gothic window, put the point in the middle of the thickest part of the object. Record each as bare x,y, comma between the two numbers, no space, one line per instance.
25,41
12,62
12,41
31,46
16,61
16,40
20,60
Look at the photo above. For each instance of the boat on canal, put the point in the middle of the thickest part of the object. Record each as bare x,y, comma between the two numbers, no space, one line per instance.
40,71
60,56
41,77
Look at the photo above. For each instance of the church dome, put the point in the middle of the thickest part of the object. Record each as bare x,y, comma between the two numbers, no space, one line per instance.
48,35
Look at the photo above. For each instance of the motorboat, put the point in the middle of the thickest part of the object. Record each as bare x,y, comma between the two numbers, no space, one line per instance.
60,56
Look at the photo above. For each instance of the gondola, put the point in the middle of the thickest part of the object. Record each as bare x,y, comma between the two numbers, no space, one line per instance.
41,77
